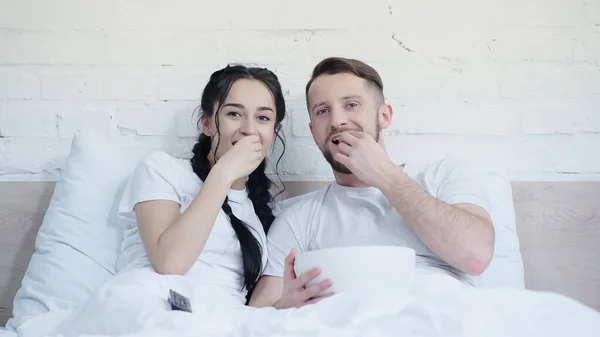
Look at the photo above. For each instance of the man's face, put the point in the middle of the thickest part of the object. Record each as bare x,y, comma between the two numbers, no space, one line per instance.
343,102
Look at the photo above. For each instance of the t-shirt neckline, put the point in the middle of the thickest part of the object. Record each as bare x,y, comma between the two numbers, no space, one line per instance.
355,190
237,194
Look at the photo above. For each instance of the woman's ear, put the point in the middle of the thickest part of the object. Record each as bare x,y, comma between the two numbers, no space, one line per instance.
205,123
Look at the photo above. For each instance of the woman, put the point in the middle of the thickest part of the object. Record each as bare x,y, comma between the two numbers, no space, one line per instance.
197,227
207,218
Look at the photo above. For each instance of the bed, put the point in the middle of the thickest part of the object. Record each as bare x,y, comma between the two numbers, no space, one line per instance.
558,226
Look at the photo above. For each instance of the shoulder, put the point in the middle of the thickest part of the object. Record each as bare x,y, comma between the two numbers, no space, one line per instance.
162,164
456,179
160,171
447,165
293,220
157,176
449,168
160,160
297,207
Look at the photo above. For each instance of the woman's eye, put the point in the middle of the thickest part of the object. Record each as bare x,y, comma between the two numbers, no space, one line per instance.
233,113
352,105
264,118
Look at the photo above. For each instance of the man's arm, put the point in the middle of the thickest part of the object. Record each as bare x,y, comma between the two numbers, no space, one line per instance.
279,287
460,234
289,291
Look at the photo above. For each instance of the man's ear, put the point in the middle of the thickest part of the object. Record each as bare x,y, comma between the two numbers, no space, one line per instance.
385,116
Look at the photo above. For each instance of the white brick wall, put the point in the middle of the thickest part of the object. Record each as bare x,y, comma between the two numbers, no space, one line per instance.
519,80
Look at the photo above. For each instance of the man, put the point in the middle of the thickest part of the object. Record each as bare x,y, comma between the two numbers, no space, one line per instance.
440,213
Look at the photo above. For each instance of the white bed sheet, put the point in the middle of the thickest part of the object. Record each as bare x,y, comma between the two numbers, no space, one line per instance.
134,304
7,333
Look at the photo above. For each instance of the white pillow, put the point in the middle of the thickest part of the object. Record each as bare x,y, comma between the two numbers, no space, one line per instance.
79,240
506,268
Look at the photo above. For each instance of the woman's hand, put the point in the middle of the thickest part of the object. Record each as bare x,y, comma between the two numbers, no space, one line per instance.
242,159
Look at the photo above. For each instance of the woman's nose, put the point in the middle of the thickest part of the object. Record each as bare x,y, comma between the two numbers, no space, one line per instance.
248,128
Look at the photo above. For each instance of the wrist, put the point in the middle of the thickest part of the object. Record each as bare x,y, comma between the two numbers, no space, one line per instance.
391,176
393,180
220,175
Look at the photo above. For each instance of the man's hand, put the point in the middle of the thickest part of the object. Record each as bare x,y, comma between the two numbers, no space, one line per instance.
295,293
365,157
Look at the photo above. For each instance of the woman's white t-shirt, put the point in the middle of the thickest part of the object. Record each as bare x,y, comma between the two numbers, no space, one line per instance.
162,177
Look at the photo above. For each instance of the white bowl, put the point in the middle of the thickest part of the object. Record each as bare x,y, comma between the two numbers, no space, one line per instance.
361,270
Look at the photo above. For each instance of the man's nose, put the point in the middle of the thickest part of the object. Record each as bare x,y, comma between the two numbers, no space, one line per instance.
338,118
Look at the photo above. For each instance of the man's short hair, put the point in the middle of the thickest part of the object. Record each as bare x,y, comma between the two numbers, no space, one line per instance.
337,65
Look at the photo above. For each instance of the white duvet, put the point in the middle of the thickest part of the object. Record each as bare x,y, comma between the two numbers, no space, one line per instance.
134,304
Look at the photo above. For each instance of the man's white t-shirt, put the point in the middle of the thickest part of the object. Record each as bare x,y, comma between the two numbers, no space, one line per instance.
338,216
162,177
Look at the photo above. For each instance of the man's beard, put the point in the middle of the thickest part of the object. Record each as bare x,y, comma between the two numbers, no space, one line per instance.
336,165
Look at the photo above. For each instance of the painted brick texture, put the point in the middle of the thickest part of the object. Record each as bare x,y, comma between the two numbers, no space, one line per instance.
494,78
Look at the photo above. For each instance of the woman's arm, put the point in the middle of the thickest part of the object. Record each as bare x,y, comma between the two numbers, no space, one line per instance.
173,240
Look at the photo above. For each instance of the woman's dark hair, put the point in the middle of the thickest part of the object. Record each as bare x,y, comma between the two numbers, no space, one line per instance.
258,184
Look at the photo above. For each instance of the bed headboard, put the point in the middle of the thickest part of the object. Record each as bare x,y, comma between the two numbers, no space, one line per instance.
558,225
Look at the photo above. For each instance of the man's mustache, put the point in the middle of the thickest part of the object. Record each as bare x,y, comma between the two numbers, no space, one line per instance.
336,132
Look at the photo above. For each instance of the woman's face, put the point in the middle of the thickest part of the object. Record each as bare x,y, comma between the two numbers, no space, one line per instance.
249,109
